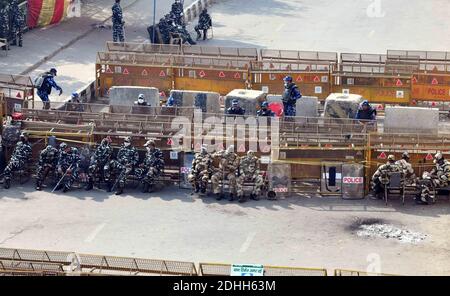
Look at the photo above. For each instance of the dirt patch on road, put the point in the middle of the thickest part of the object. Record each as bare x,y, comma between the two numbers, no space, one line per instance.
378,228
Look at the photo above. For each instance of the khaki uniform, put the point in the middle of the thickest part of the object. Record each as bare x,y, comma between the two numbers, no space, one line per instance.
407,170
200,172
382,176
440,177
228,166
249,172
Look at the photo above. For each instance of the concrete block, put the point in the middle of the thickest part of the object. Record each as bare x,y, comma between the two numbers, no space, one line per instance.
127,95
411,120
339,105
306,107
250,100
209,102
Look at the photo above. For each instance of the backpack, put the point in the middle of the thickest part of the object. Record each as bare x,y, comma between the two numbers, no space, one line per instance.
39,80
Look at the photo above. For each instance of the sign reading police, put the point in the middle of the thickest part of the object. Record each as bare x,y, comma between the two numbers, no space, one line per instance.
247,270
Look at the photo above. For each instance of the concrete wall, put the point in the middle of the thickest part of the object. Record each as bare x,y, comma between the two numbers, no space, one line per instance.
248,99
127,95
411,120
306,107
207,101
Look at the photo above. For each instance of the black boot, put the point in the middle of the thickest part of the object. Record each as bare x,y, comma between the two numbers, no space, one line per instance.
119,191
242,199
203,190
7,183
38,186
219,196
66,188
231,197
254,196
108,186
89,186
145,188
197,188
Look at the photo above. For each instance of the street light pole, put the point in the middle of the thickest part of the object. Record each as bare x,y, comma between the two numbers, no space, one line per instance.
154,21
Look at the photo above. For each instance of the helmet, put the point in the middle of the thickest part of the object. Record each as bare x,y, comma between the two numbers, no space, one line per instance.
75,95
287,79
141,96
53,71
250,153
405,155
127,140
150,143
24,135
365,103
49,147
438,156
265,104
230,149
63,145
204,148
235,102
391,157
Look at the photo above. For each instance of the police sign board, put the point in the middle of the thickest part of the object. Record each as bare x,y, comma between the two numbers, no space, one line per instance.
247,270
353,180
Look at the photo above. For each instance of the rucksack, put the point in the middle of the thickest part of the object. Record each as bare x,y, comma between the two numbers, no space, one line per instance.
39,80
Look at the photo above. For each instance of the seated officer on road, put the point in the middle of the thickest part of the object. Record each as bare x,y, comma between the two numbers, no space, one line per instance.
381,178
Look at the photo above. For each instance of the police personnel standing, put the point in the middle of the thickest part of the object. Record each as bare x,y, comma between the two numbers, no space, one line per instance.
118,22
17,20
204,24
290,96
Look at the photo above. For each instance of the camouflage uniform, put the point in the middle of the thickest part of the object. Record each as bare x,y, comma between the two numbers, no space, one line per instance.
17,22
290,96
176,12
127,159
68,158
407,169
4,22
204,23
382,176
99,160
48,159
200,171
19,159
439,177
152,166
249,172
117,20
228,166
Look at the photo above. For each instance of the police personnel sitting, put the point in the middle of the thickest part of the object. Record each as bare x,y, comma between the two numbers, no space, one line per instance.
235,109
141,101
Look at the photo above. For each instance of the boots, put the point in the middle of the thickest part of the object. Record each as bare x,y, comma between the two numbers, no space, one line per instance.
89,185
231,197
242,199
7,183
197,188
145,188
66,188
203,190
219,196
254,196
119,190
38,185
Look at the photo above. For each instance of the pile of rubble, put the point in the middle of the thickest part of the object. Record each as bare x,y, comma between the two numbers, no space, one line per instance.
390,232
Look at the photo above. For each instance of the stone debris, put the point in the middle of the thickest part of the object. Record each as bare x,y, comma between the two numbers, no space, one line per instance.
390,232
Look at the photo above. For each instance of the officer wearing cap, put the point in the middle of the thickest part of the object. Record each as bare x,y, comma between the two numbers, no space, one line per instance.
235,108
290,96
152,167
45,88
141,101
381,178
366,113
438,177
265,111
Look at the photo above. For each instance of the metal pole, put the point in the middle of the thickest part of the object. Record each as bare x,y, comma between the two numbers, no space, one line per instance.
154,21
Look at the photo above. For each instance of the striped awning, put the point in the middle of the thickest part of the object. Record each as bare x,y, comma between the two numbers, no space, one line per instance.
46,12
